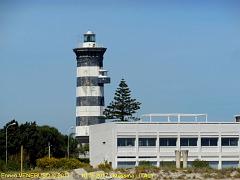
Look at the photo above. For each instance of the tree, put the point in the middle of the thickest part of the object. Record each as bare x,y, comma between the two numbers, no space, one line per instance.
83,149
35,140
123,106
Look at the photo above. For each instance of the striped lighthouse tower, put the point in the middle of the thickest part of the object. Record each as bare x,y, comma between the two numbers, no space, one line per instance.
91,78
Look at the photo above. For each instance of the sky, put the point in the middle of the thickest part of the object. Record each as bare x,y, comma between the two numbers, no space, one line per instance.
176,56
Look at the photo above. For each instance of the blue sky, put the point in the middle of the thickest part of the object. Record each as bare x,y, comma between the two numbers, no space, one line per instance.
176,56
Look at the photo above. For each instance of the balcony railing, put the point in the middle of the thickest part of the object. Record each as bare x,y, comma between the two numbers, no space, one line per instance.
103,79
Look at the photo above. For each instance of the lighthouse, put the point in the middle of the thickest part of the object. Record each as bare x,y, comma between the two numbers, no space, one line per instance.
91,78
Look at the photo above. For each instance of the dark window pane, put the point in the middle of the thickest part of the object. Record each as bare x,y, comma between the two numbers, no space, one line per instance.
151,141
120,142
188,141
213,141
142,142
92,38
192,141
225,141
172,141
130,142
89,38
167,141
184,141
204,141
147,141
126,142
163,142
233,141
209,141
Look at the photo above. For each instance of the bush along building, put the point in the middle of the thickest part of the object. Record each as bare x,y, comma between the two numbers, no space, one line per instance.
91,78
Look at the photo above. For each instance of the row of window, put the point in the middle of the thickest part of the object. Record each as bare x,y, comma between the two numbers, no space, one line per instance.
173,141
212,164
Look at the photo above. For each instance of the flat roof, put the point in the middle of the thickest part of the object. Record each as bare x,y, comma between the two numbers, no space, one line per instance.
141,122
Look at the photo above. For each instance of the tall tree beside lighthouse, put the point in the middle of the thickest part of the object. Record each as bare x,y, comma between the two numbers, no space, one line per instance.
123,106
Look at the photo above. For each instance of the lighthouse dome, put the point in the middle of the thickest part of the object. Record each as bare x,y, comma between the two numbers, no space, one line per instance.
89,32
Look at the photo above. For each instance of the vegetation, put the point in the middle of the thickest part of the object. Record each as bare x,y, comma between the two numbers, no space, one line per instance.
123,106
105,166
145,167
168,164
172,173
83,149
200,164
35,140
61,163
145,163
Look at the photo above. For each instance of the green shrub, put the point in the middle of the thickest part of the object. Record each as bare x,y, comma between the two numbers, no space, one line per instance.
200,164
48,163
69,163
141,169
13,166
122,170
3,167
145,167
145,163
62,163
106,166
84,160
168,165
88,168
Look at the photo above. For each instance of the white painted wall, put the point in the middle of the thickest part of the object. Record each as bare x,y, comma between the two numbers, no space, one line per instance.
87,71
89,91
88,44
82,131
89,110
101,143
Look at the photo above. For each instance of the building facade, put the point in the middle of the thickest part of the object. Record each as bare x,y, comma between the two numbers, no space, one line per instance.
91,78
126,144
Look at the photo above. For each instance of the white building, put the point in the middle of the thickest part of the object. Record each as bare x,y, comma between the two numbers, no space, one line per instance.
125,144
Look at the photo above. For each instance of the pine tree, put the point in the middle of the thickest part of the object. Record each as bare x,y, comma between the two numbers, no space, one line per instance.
123,106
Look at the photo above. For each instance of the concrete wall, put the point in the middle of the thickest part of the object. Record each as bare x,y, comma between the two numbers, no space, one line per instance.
101,142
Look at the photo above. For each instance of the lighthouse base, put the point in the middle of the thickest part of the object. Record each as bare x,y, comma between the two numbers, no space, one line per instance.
82,134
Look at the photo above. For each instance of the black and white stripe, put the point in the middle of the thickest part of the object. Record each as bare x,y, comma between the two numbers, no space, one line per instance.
89,92
88,81
88,61
90,101
90,120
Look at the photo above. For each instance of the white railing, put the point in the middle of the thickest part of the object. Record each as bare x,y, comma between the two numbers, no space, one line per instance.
175,115
80,45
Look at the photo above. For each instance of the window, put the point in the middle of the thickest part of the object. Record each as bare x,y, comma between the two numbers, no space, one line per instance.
167,141
188,141
229,141
125,164
126,157
126,142
147,157
151,163
209,141
89,38
230,164
147,141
